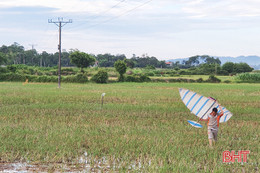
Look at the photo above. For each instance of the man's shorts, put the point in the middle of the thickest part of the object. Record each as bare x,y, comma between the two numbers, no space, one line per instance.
213,134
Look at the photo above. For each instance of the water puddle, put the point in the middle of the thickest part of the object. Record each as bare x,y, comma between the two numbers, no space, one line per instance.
85,163
16,167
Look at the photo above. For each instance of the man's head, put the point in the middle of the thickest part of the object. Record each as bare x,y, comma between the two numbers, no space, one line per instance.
214,111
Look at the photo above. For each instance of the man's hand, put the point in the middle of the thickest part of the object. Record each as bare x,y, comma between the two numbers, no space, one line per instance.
203,119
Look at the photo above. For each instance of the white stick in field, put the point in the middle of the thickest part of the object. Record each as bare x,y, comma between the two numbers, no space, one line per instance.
102,99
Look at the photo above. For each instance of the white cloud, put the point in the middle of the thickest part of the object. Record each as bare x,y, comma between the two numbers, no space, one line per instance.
163,28
72,6
195,8
223,8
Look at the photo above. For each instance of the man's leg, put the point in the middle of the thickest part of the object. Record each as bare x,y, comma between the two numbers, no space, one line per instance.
211,137
215,134
210,143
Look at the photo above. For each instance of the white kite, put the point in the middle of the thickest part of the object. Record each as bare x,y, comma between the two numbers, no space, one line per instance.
201,106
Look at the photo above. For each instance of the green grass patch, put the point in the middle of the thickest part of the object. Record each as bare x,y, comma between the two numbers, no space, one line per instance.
139,123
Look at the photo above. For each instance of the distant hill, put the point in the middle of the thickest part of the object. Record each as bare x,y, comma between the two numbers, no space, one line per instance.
253,61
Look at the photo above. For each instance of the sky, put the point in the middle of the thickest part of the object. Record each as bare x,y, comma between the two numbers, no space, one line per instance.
166,29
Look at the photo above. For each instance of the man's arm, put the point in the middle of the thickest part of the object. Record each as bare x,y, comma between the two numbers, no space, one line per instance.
221,111
204,119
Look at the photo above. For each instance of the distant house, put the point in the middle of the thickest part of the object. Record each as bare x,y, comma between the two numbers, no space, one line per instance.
96,64
168,64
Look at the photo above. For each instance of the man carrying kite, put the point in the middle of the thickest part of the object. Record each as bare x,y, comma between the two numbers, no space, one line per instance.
213,124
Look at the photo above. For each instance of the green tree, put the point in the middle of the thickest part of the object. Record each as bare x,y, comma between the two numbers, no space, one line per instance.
31,57
100,77
208,69
242,68
193,61
121,69
108,60
14,55
129,63
2,58
81,59
229,67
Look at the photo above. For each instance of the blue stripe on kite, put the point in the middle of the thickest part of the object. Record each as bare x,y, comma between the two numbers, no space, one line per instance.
191,99
196,103
225,118
222,109
195,124
202,106
217,108
208,109
185,94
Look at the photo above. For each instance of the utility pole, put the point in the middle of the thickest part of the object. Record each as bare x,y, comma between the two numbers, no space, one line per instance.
32,50
215,69
60,23
32,45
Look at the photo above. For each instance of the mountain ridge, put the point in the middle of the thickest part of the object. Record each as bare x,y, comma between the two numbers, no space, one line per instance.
252,60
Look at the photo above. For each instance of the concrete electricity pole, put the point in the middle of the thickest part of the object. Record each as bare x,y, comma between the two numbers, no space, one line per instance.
32,45
60,23
32,50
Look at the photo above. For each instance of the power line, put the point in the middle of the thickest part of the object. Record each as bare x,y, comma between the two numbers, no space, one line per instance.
122,14
98,15
83,7
60,23
104,12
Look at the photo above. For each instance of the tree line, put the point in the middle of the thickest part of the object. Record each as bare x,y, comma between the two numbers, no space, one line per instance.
204,64
16,54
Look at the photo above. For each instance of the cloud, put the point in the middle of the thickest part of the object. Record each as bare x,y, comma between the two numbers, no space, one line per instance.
223,8
70,6
163,28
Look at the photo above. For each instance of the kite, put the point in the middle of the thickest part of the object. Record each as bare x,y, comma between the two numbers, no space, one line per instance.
201,106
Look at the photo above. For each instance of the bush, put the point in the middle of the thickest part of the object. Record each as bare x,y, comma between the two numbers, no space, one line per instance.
213,79
79,78
175,80
20,66
149,74
144,78
100,77
12,77
33,78
136,78
42,79
223,72
157,72
227,81
53,72
182,72
4,70
67,71
131,78
129,72
31,71
173,73
11,68
150,67
200,80
249,77
120,67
